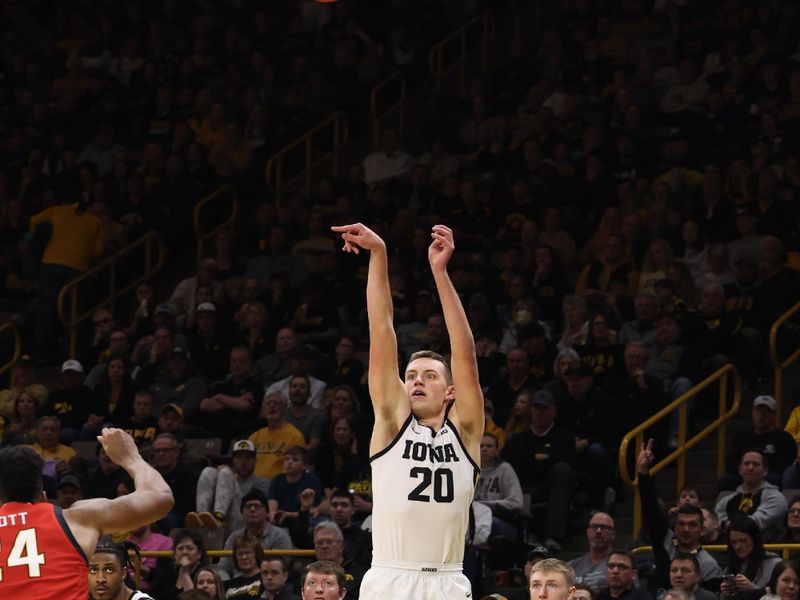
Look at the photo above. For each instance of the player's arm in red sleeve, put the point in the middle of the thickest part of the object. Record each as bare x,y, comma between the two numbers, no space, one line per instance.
151,499
385,387
468,406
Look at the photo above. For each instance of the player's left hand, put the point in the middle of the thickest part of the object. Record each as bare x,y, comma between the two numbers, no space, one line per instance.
442,246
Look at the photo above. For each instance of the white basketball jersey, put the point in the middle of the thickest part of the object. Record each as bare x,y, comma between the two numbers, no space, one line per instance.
422,487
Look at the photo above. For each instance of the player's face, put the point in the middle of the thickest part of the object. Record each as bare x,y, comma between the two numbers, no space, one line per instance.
273,576
549,585
105,577
427,386
320,586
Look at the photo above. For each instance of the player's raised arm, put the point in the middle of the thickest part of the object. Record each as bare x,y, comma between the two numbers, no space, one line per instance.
150,500
385,386
469,397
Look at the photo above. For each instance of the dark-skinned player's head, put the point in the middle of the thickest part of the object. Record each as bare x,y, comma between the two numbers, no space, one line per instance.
20,475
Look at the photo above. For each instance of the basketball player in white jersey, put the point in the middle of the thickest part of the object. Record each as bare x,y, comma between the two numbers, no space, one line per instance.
425,446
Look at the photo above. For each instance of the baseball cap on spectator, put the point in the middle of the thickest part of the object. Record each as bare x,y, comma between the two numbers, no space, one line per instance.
164,309
179,352
72,365
538,551
767,401
254,494
478,299
543,398
206,307
70,480
173,407
243,446
578,367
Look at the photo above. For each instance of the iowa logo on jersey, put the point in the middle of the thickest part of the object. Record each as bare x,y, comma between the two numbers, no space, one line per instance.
421,452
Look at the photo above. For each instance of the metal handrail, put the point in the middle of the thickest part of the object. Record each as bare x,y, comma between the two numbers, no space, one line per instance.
719,425
783,548
11,327
436,53
273,171
137,563
397,107
151,243
778,364
203,236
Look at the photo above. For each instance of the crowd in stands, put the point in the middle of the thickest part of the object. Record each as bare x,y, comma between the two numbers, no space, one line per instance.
624,195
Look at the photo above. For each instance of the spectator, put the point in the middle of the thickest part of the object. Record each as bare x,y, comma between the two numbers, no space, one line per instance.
285,488
387,163
329,546
542,458
207,583
153,358
600,351
499,489
254,509
305,418
148,540
23,378
77,407
274,577
70,491
621,575
684,574
642,328
750,564
276,438
103,324
247,557
209,346
755,497
301,359
178,385
233,404
684,538
220,490
21,428
106,478
510,383
76,236
639,395
520,418
612,269
778,446
166,459
256,331
278,365
177,574
575,326
56,456
791,530
345,452
592,568
184,297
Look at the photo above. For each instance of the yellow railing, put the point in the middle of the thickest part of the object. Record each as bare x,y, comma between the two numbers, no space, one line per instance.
440,57
519,8
152,250
9,328
778,364
211,211
395,109
336,126
784,549
723,375
137,565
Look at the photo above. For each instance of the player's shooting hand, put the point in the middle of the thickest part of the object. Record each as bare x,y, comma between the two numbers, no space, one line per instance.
442,246
118,445
645,458
358,236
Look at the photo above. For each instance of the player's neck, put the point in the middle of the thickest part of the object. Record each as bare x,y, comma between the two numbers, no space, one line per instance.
435,422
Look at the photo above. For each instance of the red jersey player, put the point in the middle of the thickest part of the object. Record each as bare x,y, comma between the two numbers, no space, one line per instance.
43,549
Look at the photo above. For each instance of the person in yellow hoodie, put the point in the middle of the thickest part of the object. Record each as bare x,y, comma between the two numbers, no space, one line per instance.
76,237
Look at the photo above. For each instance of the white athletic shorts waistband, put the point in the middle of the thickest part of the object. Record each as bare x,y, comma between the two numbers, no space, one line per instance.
418,567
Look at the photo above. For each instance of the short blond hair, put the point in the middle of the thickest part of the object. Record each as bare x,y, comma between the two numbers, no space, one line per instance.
553,565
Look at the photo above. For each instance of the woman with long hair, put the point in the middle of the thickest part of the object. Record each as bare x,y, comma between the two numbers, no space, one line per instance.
207,579
343,449
22,427
254,332
116,388
748,562
656,260
791,532
785,583
520,419
601,350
